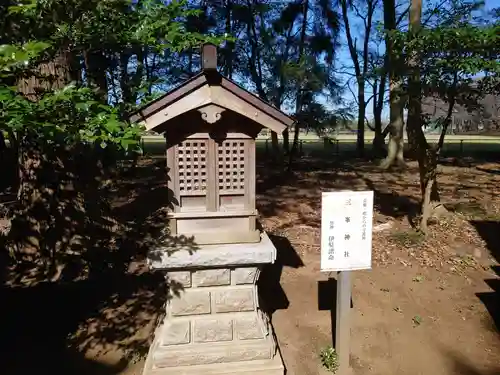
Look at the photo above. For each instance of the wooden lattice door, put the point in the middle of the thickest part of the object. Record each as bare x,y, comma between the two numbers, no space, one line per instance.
192,167
190,179
212,176
231,167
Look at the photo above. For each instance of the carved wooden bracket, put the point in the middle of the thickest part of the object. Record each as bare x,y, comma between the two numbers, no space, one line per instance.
211,113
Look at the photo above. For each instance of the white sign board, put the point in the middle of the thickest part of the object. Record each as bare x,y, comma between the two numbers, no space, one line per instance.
346,230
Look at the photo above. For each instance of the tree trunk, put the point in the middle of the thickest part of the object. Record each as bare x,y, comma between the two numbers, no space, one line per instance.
295,145
360,139
427,165
360,72
228,56
96,65
378,144
286,141
396,127
396,100
281,90
379,148
3,146
275,143
50,75
5,163
256,71
298,98
32,187
29,160
427,155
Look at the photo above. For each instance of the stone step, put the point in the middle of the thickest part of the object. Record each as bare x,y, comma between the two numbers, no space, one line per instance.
256,367
213,353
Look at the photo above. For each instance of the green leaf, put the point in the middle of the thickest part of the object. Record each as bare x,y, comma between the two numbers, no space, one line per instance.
126,143
82,106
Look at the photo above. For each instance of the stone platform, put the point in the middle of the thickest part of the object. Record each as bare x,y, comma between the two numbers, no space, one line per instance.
214,324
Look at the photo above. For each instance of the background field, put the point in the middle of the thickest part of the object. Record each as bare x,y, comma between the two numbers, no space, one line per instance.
464,145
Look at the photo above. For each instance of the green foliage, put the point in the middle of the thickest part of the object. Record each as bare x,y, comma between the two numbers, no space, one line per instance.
329,359
67,136
68,116
286,49
453,52
463,48
150,22
458,57
14,57
158,19
74,113
125,48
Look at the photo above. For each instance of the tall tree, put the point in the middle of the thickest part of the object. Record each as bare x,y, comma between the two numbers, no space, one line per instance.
312,74
285,50
396,94
378,82
442,62
361,68
73,126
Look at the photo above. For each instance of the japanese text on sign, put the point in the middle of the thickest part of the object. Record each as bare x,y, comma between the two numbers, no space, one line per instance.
346,230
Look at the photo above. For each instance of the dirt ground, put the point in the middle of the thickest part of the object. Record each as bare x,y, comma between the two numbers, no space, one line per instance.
429,305
423,308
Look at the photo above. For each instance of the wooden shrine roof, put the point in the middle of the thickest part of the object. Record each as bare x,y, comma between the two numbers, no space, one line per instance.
210,88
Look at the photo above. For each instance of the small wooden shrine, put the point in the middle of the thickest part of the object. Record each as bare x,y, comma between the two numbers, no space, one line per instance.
214,324
210,124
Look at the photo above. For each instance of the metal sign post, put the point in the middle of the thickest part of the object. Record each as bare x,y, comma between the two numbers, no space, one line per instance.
343,324
346,241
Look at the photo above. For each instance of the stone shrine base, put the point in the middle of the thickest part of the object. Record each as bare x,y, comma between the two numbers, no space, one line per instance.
214,324
272,366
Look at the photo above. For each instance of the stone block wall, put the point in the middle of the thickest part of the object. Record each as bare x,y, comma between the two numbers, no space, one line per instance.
217,316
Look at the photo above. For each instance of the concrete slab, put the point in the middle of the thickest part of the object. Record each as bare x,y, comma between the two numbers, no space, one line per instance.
263,367
171,258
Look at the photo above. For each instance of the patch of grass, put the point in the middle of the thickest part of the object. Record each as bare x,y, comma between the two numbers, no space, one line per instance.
417,320
492,216
474,209
329,359
418,279
407,238
462,262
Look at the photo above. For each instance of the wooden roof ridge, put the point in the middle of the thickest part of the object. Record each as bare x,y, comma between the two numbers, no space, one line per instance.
234,87
209,76
159,103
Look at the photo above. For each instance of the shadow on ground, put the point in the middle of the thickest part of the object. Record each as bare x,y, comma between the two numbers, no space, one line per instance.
282,192
327,293
462,366
490,233
47,328
104,304
271,294
327,301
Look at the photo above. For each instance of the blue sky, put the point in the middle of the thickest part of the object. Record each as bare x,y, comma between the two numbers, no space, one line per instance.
344,57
